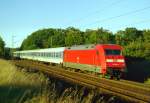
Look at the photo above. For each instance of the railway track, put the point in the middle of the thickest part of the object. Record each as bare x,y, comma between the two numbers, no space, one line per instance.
136,83
128,90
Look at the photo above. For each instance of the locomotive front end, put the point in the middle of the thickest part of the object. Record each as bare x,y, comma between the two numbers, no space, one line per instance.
114,61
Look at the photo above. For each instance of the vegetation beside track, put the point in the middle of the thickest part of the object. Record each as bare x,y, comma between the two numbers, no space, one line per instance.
135,92
147,81
19,86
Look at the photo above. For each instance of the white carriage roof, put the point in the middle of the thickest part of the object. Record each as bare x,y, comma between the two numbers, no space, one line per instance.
59,49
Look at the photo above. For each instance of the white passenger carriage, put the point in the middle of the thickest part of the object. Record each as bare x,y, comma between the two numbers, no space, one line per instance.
53,55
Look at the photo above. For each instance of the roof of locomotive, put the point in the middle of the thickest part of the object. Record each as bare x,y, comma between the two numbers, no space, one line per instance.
92,46
81,47
111,46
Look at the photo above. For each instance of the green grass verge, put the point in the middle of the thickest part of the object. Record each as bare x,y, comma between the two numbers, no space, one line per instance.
17,86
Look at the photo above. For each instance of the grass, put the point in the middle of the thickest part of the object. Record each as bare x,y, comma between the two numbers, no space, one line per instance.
18,86
147,81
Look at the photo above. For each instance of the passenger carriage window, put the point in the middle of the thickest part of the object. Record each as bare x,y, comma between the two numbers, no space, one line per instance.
49,54
35,53
52,54
57,55
60,54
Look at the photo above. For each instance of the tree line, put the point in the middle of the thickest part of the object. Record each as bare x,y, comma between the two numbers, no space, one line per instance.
136,43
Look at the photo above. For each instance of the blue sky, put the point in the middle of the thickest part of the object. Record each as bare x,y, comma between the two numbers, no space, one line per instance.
22,17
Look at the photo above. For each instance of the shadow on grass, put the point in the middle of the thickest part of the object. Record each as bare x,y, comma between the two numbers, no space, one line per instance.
17,94
138,69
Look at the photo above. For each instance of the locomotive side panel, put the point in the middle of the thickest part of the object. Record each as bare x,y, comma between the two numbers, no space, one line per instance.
82,59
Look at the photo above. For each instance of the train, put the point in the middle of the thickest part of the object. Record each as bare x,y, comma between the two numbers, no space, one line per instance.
103,59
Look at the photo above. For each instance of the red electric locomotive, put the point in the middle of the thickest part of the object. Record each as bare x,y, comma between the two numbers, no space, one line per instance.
101,58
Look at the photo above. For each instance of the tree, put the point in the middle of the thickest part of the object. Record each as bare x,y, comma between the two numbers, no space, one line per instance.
2,44
120,38
135,49
98,36
38,39
73,37
58,39
90,36
127,36
146,34
132,34
136,43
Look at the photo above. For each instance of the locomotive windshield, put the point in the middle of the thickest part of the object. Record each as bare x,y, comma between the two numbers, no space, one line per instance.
112,52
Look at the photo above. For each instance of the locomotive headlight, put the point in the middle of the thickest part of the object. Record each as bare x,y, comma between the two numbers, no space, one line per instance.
109,60
120,60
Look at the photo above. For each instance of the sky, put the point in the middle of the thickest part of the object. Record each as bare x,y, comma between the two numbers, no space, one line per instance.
19,18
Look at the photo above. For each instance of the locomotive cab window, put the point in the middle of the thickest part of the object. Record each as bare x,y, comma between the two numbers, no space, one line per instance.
112,52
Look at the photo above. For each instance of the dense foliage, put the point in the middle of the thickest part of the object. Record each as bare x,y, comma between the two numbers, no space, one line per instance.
2,44
136,42
47,38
